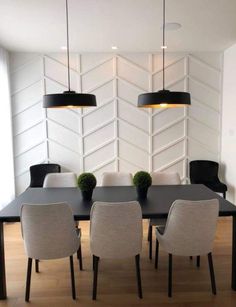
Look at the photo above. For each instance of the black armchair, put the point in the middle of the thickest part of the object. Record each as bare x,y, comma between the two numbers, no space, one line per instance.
39,171
206,172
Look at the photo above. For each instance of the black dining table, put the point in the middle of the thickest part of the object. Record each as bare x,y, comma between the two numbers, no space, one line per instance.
156,205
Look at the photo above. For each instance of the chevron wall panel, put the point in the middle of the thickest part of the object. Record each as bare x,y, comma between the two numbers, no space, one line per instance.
116,135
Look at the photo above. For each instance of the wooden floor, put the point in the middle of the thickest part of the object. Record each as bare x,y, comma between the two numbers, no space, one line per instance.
116,280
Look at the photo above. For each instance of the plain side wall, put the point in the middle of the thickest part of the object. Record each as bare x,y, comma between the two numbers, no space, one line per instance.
228,143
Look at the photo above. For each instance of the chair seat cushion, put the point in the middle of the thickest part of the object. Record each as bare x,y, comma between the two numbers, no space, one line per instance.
216,186
158,221
160,229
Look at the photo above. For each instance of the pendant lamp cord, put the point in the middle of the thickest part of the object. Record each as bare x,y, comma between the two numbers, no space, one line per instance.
163,43
67,43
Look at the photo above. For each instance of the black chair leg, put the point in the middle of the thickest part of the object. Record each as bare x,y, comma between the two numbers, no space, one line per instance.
36,265
28,279
198,261
72,274
156,254
150,243
170,276
137,262
224,194
149,231
93,263
212,274
79,257
95,276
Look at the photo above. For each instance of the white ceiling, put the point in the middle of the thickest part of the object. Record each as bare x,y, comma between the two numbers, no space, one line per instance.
132,25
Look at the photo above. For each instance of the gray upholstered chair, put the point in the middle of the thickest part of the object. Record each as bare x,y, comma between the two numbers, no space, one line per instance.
116,232
57,180
160,178
44,241
63,180
189,231
117,179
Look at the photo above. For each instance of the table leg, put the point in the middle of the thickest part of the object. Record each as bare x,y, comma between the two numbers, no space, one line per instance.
233,280
3,291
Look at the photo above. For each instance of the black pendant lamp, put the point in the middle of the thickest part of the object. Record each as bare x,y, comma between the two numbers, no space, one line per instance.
164,98
69,99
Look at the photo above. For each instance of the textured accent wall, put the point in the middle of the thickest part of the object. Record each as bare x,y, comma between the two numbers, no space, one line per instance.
116,135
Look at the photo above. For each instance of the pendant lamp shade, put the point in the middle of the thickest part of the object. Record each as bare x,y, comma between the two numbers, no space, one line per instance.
69,99
164,98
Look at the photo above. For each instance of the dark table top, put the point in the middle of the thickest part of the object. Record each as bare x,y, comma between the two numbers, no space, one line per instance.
157,203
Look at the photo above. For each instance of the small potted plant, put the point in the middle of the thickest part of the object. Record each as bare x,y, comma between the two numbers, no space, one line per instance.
87,182
142,180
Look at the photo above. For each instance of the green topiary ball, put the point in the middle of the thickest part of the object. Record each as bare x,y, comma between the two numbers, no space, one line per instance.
142,180
87,182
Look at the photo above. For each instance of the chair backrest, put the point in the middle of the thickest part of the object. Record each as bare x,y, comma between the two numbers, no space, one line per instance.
48,231
203,171
191,227
117,179
116,229
165,178
60,180
39,171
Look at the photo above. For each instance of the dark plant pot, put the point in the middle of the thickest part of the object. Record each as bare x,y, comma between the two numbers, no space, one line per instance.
142,192
87,195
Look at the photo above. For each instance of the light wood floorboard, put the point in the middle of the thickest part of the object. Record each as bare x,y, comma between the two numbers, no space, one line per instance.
117,280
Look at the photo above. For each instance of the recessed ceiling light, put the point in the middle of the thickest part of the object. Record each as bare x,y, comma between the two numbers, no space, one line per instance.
63,48
172,26
114,47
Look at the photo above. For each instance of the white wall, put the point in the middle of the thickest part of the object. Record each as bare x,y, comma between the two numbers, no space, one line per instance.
228,155
6,154
116,135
